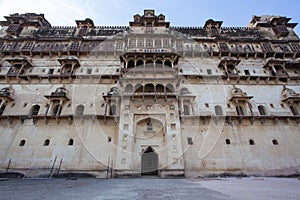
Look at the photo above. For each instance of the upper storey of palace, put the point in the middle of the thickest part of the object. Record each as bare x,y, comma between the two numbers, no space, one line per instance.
35,26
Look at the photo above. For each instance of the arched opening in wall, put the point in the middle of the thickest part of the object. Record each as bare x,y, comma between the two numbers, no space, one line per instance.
275,142
262,110
170,88
231,69
149,63
240,110
149,88
149,162
186,108
129,88
34,110
2,108
56,110
139,88
218,110
158,63
280,70
228,141
294,109
67,69
160,88
113,110
79,110
71,142
130,64
139,63
22,143
168,63
46,142
251,142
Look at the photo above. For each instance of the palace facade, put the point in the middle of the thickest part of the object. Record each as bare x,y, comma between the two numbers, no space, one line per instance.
149,98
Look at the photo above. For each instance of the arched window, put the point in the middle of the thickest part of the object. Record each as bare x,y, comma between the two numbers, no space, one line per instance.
170,88
251,142
186,110
130,64
231,69
139,63
56,110
71,142
22,143
2,109
262,110
168,63
280,70
34,110
46,142
275,142
138,88
149,63
112,110
149,88
128,88
159,88
158,63
218,110
228,141
79,110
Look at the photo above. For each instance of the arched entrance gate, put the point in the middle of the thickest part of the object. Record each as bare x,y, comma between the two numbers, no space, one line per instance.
149,162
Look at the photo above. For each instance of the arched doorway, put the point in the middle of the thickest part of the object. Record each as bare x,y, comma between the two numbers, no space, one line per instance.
149,162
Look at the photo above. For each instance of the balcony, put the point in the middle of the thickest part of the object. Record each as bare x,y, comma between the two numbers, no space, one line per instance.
59,94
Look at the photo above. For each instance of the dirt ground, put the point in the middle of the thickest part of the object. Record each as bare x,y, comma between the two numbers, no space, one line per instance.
151,188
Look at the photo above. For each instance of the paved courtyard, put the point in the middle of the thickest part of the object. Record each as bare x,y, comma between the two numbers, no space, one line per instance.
151,188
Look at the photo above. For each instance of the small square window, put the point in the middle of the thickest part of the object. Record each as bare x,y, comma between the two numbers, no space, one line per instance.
209,72
89,71
271,105
22,143
109,139
206,105
190,141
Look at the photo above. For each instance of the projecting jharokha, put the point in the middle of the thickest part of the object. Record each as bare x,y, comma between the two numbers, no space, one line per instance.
149,98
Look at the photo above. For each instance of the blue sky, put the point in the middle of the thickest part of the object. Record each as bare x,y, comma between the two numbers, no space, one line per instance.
178,12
